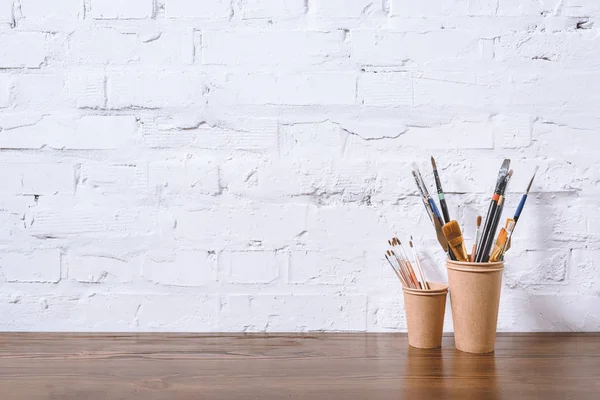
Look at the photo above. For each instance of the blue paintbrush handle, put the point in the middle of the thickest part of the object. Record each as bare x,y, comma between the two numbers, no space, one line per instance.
520,207
434,208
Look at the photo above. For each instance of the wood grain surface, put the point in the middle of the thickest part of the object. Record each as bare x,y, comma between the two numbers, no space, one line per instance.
293,366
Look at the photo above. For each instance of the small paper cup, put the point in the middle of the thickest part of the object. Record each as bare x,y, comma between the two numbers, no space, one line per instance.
425,315
475,299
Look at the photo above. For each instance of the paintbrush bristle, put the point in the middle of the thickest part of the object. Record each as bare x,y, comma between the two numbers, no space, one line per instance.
410,242
398,241
502,235
451,230
479,221
433,163
532,178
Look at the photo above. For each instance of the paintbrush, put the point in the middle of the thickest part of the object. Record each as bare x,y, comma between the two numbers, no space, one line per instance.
401,267
499,246
520,207
477,236
400,277
406,261
440,191
510,228
499,209
419,266
483,247
455,240
432,210
524,197
402,263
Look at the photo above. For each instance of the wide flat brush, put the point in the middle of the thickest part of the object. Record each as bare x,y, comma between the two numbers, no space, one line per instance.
483,247
455,240
499,245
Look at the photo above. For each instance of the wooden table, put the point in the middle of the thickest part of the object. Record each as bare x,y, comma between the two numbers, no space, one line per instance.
293,366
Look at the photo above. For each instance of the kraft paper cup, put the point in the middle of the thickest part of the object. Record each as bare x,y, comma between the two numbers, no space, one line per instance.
425,315
475,298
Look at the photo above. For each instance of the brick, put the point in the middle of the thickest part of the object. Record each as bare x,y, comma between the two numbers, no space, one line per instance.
91,268
326,267
180,268
115,9
572,48
255,135
560,90
276,313
188,178
38,178
584,271
385,89
305,89
88,132
22,50
460,90
128,89
170,313
370,47
428,8
40,265
86,87
5,88
512,131
280,9
39,90
344,8
113,179
147,47
537,267
257,48
249,266
217,9
103,312
81,219
6,12
57,9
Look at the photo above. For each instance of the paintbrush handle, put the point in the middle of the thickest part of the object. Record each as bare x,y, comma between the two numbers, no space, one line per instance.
444,207
520,207
434,208
493,228
486,229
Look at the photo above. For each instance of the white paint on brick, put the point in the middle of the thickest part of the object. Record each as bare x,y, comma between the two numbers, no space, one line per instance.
215,9
115,9
182,165
22,50
40,265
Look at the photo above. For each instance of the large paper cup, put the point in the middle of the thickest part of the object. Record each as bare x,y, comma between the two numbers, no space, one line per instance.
425,315
475,297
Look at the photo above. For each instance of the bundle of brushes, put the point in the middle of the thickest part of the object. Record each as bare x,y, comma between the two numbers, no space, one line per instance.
402,266
448,231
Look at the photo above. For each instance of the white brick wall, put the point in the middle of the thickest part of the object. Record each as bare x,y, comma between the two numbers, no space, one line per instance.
239,165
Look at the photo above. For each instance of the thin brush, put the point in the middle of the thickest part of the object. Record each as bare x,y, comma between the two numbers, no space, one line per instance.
477,237
455,240
440,191
394,269
423,196
407,261
419,266
426,194
483,247
524,197
403,263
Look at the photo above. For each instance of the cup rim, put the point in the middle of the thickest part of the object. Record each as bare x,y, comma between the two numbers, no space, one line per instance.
440,288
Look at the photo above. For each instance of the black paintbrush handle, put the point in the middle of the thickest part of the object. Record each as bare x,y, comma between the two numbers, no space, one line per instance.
487,245
485,232
444,207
